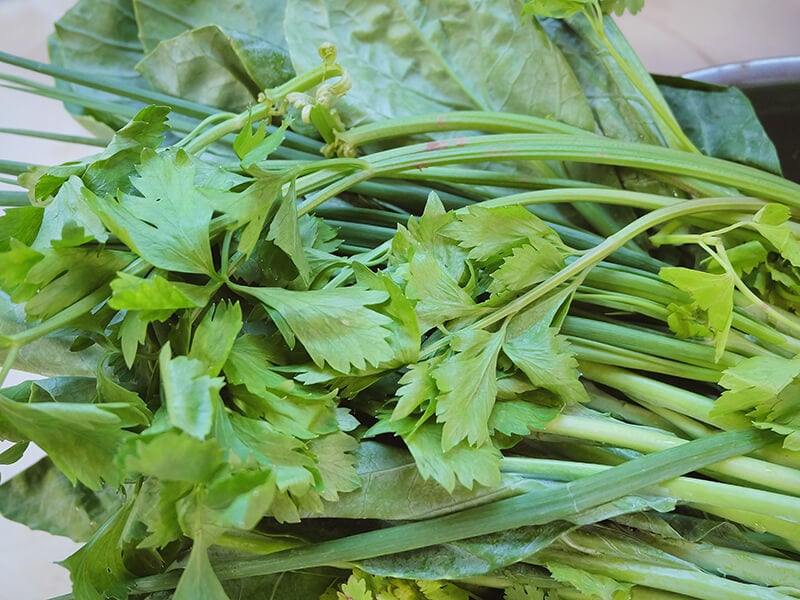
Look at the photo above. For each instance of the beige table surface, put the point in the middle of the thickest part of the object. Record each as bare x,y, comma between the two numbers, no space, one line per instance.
671,36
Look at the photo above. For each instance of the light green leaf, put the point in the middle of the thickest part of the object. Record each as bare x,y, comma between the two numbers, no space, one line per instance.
168,225
173,456
557,9
53,280
21,223
416,387
519,417
190,394
491,61
215,335
523,592
491,232
335,461
156,296
592,585
537,350
766,388
438,297
527,265
261,392
772,222
198,579
80,437
68,221
462,463
284,232
712,296
335,326
467,384
405,337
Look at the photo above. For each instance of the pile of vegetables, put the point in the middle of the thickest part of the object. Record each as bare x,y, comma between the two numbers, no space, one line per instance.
416,300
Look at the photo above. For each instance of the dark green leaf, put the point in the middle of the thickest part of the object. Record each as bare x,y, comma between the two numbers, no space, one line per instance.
201,65
164,19
99,37
42,498
721,122
98,569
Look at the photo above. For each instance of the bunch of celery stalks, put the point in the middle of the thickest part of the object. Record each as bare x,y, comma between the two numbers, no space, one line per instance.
673,472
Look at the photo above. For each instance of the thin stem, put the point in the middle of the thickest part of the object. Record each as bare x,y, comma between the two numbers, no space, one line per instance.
463,120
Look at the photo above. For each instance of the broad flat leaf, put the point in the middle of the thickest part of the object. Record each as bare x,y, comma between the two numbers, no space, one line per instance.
335,326
469,558
201,65
463,463
619,108
168,225
160,20
435,57
536,349
190,394
384,469
98,569
712,296
467,384
721,122
42,498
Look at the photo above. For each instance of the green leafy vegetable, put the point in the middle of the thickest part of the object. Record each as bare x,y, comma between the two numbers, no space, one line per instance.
479,340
